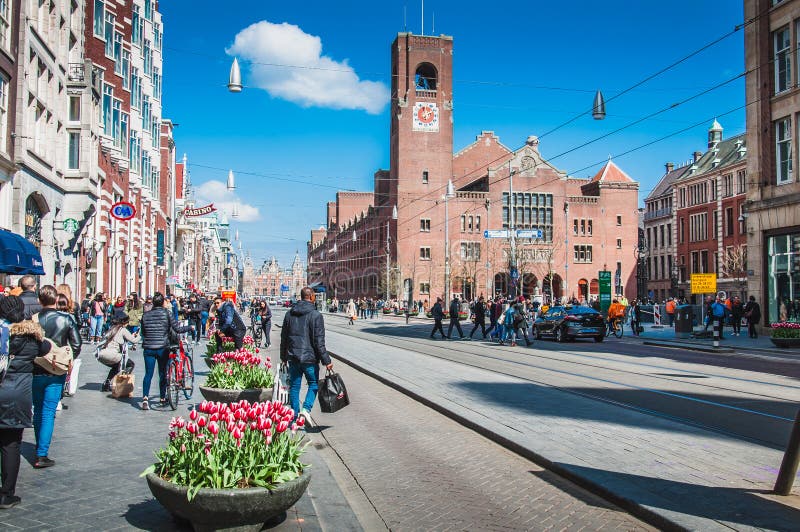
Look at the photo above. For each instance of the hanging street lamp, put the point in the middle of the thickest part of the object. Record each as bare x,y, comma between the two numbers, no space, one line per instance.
235,80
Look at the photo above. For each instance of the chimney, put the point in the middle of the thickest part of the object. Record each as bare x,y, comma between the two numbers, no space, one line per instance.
697,155
669,167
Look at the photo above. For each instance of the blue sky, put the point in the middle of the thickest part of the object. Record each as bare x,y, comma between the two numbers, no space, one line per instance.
521,69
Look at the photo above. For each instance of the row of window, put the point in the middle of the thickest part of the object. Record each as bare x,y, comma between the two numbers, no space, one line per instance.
470,251
698,226
705,192
582,227
529,211
660,236
104,28
653,270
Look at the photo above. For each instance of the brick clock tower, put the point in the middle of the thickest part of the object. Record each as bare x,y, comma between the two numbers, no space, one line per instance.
421,158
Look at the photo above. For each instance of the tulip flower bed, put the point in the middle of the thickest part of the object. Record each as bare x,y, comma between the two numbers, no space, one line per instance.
228,345
239,445
785,329
239,370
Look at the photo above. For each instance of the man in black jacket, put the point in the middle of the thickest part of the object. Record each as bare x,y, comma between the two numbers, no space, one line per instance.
455,308
303,348
192,312
62,330
438,316
28,295
480,317
229,322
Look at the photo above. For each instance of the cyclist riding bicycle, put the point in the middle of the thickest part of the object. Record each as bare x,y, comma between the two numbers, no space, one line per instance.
616,312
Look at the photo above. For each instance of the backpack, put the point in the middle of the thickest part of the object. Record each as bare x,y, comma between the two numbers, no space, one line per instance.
718,310
509,317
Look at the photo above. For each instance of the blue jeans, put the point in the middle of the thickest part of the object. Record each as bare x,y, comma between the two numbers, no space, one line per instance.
96,325
47,391
151,357
203,321
296,372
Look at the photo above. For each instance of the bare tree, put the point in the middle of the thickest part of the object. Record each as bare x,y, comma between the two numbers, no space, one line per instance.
733,263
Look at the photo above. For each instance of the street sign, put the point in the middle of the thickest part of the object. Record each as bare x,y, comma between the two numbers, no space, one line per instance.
70,225
704,283
604,289
495,233
529,233
123,210
514,273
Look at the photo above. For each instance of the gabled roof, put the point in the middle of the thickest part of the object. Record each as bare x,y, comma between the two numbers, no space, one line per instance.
611,173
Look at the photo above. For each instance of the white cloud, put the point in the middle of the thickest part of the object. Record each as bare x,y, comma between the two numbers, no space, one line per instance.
217,192
322,82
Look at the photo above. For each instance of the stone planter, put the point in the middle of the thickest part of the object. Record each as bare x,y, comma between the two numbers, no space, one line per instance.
228,509
221,395
210,363
786,342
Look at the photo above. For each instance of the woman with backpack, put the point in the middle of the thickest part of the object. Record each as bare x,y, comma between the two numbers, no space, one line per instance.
21,341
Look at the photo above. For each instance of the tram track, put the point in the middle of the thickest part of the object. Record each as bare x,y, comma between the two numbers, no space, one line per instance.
688,405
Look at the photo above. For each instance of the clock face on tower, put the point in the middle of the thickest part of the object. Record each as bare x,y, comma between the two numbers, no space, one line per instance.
426,117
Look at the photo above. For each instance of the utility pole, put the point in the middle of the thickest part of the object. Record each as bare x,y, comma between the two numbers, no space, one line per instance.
512,234
566,248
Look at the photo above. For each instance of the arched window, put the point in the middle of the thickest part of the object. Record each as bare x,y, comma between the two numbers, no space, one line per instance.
425,77
33,221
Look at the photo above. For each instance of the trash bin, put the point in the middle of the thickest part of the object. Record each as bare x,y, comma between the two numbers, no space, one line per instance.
684,321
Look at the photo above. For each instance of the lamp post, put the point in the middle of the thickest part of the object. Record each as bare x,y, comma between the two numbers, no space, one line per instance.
451,193
641,252
388,251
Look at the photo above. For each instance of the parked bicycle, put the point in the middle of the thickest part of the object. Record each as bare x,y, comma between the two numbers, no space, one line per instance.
180,372
255,330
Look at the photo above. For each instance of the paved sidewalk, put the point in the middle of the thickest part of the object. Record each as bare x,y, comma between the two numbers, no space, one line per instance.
101,445
676,475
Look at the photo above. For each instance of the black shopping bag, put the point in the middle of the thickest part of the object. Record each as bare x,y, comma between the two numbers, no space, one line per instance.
332,393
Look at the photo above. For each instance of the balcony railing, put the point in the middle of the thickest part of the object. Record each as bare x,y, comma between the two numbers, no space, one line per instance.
657,214
422,93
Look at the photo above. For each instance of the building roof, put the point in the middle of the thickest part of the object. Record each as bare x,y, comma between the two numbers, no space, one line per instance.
664,185
728,151
611,173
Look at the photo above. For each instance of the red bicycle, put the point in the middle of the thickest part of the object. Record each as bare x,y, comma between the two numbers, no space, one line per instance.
180,372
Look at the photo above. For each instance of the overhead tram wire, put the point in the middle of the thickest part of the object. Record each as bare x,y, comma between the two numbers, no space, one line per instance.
276,178
634,86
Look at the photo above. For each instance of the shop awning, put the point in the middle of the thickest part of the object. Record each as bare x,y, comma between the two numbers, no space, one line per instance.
18,256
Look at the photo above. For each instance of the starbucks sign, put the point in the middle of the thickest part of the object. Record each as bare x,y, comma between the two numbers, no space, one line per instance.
70,225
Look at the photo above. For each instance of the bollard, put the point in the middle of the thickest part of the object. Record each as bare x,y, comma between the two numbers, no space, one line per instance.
717,324
791,460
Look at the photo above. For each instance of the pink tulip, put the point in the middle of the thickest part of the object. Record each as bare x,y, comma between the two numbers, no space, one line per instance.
193,415
213,428
301,421
282,426
192,428
201,422
183,447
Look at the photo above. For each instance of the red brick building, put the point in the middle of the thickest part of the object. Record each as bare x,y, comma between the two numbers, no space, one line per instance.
709,234
136,155
582,226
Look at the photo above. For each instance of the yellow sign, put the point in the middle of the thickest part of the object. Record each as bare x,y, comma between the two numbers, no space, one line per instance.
704,283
